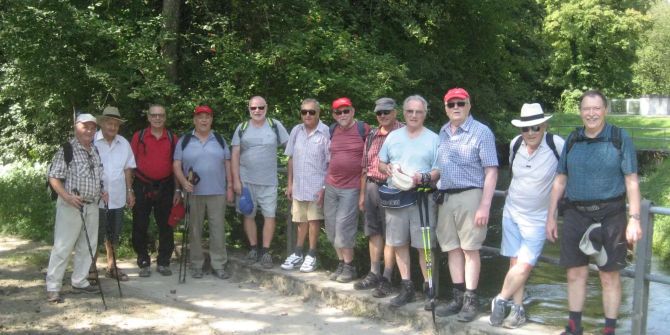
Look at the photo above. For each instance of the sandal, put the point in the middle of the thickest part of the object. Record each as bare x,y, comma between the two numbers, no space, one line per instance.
114,272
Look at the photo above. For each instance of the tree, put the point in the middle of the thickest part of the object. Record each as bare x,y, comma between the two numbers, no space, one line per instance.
652,70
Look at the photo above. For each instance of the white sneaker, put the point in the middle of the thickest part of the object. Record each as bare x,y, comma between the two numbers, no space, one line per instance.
309,264
292,262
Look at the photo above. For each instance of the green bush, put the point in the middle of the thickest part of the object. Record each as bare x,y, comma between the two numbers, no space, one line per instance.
656,187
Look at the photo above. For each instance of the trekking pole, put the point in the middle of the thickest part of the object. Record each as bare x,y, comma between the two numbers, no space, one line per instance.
192,178
90,250
422,202
111,243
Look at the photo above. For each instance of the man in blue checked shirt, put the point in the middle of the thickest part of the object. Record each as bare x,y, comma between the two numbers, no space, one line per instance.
468,174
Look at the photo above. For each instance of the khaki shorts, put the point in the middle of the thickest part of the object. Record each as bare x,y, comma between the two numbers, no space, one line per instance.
456,222
264,197
403,225
304,211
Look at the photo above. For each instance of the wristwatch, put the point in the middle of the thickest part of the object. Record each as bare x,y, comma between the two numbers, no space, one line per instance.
634,216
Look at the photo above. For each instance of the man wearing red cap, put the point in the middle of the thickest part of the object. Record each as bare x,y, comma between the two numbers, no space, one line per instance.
207,155
343,198
468,174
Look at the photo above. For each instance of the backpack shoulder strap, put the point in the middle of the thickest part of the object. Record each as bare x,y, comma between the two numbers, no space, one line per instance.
140,136
550,142
361,129
273,125
572,139
368,140
332,129
515,149
67,153
615,137
185,139
219,139
243,126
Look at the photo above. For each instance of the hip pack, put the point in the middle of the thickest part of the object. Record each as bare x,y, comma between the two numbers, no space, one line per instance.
395,198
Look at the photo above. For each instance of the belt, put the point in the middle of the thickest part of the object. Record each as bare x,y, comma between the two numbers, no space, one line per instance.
378,182
595,205
458,190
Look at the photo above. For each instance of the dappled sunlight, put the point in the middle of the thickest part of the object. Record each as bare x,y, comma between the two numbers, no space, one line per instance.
240,326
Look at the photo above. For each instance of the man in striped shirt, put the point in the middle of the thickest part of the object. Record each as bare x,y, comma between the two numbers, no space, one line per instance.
375,223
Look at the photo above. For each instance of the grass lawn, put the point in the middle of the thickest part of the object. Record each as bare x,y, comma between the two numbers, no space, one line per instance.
648,132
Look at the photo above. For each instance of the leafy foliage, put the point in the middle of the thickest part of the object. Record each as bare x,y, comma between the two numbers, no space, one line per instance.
652,70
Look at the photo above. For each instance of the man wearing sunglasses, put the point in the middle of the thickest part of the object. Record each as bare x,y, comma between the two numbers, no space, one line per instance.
308,149
533,162
468,174
254,166
343,198
375,222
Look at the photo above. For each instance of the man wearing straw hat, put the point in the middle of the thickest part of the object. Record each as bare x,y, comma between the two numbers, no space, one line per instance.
533,160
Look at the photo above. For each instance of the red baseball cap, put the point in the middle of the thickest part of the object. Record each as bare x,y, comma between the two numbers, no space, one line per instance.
202,109
456,93
342,102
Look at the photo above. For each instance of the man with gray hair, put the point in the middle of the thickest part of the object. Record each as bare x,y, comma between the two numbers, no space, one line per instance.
412,151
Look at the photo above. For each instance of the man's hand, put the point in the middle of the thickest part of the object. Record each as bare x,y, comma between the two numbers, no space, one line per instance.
551,229
482,216
74,200
230,197
320,196
188,187
237,186
130,199
633,231
176,198
289,192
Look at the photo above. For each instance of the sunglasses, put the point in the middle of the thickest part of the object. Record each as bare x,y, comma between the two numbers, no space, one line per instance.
386,112
253,108
307,111
346,111
457,103
533,128
156,115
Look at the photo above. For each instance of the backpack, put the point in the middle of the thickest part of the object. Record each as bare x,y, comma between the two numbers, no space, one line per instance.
187,138
67,155
359,124
272,122
170,136
549,137
576,136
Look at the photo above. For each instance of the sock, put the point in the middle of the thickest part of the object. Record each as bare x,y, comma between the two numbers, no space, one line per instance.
471,291
388,273
253,247
610,325
264,251
312,253
348,264
298,251
575,321
460,286
375,267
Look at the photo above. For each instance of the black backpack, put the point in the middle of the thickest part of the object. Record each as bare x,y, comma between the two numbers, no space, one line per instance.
187,138
170,136
359,124
576,136
549,137
67,155
272,122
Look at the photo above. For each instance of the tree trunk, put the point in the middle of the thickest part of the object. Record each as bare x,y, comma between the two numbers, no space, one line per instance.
171,39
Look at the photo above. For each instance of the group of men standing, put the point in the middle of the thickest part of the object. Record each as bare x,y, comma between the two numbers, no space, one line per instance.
335,172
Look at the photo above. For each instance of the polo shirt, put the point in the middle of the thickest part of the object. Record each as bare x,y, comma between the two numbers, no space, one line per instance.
116,158
310,154
154,155
418,154
208,160
346,153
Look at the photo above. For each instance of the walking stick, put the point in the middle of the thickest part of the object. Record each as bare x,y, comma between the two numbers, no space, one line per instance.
90,251
116,269
192,178
422,202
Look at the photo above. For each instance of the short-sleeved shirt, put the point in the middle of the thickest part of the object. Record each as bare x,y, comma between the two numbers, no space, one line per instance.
310,154
596,168
529,191
258,152
417,154
207,160
116,158
153,155
464,154
346,153
373,144
84,173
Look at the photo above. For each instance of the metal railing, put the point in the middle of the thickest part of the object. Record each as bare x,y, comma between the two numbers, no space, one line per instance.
642,136
641,272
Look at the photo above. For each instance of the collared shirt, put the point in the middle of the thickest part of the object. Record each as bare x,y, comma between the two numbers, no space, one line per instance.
310,154
529,191
84,172
346,150
595,168
207,159
116,158
154,155
258,152
464,154
371,151
418,154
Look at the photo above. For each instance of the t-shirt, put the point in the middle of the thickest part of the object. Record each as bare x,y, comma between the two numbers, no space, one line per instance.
207,160
346,153
417,154
258,152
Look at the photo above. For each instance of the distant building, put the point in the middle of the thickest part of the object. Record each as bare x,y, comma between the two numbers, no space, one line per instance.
647,105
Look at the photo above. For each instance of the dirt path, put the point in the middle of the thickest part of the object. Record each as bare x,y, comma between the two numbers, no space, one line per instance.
206,306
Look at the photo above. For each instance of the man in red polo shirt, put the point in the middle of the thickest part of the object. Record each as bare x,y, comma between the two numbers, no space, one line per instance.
154,188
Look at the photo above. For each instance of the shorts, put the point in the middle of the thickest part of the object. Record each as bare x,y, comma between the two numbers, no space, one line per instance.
613,220
522,242
456,221
340,207
375,221
264,197
304,211
403,225
110,224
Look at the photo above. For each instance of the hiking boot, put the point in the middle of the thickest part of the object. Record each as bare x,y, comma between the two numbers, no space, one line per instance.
54,297
266,261
87,289
428,298
497,311
383,289
607,331
220,273
292,262
252,257
163,270
196,273
470,307
145,271
454,306
370,281
309,264
406,294
572,331
333,276
348,274
516,317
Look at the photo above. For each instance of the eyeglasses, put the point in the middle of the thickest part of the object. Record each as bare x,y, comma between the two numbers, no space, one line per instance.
345,111
591,109
457,103
386,112
156,115
253,108
307,111
414,111
533,128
